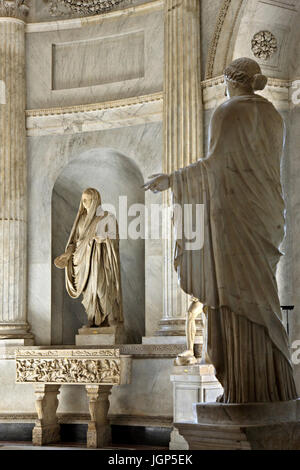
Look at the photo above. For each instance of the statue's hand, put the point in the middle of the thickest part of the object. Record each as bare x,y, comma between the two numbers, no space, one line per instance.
62,260
159,182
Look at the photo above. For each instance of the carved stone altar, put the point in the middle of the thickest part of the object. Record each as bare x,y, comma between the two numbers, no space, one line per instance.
98,369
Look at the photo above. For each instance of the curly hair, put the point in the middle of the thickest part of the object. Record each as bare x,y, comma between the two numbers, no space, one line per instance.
246,73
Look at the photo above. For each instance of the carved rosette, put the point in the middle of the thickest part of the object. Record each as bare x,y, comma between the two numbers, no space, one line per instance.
264,45
14,9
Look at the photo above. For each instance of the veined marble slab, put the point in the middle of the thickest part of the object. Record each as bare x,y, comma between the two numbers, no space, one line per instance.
85,118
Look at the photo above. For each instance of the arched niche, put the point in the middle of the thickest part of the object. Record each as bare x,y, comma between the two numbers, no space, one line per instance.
113,175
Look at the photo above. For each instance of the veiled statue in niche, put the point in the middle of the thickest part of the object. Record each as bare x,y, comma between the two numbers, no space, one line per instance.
92,262
233,276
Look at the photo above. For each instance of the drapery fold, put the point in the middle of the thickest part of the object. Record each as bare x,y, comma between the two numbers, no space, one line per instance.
93,270
244,223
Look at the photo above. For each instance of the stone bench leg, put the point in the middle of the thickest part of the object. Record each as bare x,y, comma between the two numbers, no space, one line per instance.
99,431
46,428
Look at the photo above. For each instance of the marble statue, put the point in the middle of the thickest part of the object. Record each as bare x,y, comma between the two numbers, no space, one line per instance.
233,275
92,262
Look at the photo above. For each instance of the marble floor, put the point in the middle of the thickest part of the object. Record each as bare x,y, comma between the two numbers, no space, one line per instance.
68,446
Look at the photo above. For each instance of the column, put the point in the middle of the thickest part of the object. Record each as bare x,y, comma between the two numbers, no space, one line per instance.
13,189
99,431
183,133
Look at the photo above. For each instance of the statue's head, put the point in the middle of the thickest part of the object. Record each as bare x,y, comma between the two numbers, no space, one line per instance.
243,76
90,199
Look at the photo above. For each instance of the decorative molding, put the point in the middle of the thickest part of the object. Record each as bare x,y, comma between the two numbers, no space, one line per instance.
95,117
137,351
49,353
57,25
264,45
82,7
85,108
216,36
14,9
274,82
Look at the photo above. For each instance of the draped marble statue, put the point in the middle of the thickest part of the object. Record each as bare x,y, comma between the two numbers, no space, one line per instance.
233,275
92,262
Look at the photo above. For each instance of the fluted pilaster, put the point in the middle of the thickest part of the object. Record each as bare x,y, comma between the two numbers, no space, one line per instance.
13,190
183,130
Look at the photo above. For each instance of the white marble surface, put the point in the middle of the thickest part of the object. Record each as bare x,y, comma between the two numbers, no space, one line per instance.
111,115
136,147
40,62
281,20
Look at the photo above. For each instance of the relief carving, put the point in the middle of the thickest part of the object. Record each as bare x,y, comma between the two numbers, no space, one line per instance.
264,45
65,370
81,7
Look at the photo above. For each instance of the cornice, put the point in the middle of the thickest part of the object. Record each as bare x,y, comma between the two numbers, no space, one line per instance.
85,108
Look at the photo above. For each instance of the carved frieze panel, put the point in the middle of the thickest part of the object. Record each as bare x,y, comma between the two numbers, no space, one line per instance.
65,370
72,366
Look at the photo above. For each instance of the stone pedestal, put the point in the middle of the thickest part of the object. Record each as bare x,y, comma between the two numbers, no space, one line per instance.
99,431
256,426
191,384
102,336
46,428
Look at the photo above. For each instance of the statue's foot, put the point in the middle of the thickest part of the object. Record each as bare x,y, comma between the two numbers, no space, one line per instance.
186,358
187,353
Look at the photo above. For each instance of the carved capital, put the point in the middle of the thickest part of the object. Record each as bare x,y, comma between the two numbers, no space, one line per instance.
14,9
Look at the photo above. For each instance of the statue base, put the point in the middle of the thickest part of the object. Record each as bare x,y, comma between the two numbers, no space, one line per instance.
100,336
191,384
249,426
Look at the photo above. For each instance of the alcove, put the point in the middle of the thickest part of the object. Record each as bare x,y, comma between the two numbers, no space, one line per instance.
113,175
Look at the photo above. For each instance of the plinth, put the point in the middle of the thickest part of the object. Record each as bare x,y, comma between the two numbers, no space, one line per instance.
101,336
191,384
249,426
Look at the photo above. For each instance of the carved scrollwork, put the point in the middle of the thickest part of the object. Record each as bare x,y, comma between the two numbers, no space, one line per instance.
264,45
82,7
67,370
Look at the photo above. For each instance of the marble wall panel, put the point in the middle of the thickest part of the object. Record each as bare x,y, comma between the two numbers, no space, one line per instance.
74,70
98,61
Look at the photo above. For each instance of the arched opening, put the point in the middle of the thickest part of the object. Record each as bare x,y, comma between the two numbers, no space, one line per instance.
113,175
